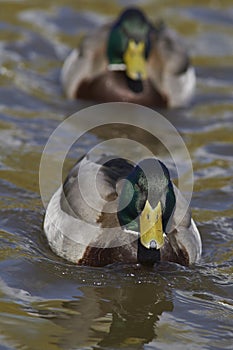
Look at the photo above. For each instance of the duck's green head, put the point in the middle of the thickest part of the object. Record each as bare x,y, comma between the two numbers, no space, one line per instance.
152,205
129,45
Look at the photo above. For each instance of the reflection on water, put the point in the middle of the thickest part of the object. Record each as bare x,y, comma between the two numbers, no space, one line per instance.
46,303
111,316
116,307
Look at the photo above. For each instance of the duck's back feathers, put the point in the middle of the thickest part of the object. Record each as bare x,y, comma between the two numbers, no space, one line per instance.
170,69
76,223
92,185
85,63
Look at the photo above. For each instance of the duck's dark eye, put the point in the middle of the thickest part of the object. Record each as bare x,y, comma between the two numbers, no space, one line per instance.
148,216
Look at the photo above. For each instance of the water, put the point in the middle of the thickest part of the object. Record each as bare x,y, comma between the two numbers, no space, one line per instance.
47,303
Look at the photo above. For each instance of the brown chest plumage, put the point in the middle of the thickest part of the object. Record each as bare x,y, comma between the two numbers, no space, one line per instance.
113,87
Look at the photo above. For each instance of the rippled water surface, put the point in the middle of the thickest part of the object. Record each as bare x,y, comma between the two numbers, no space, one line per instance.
46,303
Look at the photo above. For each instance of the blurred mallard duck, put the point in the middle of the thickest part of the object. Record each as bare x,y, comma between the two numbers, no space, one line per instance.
96,218
130,60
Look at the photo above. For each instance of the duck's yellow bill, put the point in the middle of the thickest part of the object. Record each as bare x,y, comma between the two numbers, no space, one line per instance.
151,227
134,59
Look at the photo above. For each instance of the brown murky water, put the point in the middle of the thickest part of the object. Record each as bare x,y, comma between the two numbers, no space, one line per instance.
46,303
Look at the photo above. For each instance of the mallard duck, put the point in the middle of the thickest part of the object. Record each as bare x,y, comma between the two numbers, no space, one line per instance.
130,60
109,210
